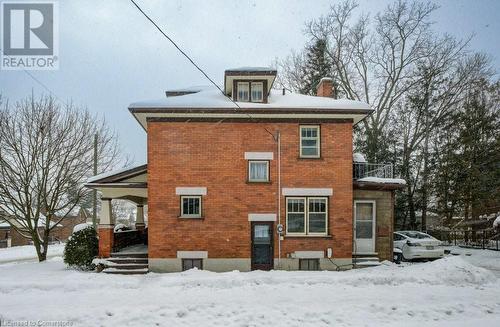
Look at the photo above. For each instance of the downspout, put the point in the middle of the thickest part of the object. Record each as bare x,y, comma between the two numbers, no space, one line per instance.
279,198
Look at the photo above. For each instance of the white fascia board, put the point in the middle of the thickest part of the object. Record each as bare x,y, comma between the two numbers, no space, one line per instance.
259,156
289,191
261,217
192,254
309,254
191,191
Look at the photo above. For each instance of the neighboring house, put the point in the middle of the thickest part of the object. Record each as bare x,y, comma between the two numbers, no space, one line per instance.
59,234
5,240
270,184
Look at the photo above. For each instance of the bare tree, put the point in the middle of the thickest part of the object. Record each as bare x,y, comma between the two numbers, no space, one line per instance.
46,153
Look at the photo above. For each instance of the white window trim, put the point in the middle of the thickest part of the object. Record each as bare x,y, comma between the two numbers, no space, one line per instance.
318,141
306,216
261,217
192,254
259,155
258,180
182,206
262,98
326,215
191,191
309,254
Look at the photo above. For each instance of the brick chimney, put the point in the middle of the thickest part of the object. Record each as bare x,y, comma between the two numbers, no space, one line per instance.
325,88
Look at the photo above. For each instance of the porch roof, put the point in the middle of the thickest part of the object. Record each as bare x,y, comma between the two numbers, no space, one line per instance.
128,183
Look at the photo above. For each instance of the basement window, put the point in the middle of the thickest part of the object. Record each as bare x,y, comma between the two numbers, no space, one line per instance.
308,264
192,263
190,206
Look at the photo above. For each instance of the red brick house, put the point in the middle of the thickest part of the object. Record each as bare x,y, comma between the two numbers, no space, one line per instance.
267,184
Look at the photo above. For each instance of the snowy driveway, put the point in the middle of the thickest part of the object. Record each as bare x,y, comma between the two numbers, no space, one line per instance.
446,292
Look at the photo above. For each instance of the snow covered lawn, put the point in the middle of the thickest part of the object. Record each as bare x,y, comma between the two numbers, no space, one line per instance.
446,292
28,252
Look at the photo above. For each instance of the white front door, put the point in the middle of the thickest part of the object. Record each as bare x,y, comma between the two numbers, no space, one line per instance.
364,226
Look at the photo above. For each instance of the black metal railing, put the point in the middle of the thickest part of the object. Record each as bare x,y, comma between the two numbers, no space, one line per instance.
361,170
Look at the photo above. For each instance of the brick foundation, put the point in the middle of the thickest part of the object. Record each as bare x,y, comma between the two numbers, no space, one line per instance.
106,238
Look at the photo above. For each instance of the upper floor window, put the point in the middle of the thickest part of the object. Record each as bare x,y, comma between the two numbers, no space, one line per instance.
258,171
257,91
309,141
243,91
250,91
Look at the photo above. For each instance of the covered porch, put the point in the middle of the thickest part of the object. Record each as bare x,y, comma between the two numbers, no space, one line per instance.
128,184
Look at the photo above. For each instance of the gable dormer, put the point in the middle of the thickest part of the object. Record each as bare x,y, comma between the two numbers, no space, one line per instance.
249,84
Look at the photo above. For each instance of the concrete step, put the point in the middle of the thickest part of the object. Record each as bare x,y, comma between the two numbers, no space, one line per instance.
128,260
116,271
128,266
129,255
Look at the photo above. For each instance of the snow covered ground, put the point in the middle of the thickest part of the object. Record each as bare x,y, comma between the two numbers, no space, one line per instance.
449,292
28,252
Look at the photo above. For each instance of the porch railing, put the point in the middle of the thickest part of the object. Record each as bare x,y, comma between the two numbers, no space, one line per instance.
361,170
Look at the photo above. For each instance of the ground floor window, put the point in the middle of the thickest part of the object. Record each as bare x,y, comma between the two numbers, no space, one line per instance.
307,215
192,263
191,206
308,264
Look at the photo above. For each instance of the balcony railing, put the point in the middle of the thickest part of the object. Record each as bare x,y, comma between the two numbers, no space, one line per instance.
361,170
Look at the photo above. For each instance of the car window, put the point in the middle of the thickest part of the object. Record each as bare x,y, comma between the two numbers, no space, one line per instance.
398,237
418,235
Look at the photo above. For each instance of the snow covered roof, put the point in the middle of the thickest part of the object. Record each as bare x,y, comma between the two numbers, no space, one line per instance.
123,172
209,97
251,69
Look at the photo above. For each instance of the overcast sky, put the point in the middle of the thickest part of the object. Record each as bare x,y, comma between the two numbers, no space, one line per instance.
111,56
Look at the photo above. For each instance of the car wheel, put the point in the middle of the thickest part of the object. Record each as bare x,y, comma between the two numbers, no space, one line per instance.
398,257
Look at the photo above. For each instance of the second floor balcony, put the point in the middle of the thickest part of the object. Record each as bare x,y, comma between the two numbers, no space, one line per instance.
363,169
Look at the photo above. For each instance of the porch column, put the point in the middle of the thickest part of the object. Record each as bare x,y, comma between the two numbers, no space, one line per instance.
106,229
139,218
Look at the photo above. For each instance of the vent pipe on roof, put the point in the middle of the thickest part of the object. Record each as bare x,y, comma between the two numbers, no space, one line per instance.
283,91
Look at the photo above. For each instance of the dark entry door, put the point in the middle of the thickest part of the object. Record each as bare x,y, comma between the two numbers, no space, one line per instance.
262,246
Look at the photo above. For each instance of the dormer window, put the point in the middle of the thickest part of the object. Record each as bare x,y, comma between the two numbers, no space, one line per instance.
249,84
257,91
243,91
250,91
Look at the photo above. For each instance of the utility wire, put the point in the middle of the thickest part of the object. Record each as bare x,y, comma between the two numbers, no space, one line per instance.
194,64
39,82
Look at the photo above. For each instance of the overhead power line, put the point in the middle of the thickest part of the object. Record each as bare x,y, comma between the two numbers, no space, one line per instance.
192,62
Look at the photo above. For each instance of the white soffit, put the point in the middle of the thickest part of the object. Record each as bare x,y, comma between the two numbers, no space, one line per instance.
191,191
307,191
192,254
261,217
259,156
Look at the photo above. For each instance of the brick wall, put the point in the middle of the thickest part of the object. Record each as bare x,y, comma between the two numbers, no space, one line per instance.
212,155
